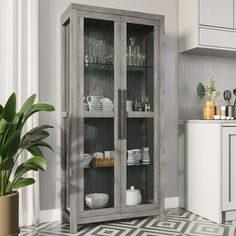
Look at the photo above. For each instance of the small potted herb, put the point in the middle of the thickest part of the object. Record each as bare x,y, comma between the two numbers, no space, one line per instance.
208,93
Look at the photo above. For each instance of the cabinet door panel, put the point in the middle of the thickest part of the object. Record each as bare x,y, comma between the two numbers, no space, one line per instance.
99,179
140,159
217,13
228,168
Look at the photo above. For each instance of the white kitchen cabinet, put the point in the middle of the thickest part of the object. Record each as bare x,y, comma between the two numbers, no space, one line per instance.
210,163
207,26
219,13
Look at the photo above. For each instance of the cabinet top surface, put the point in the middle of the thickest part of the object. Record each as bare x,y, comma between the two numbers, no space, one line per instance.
112,11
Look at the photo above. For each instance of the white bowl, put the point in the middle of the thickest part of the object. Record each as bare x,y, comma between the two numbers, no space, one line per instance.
87,159
96,200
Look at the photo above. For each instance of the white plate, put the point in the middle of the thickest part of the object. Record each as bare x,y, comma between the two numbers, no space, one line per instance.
107,104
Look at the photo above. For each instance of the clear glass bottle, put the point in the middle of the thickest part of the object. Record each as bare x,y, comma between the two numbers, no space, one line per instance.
147,106
133,53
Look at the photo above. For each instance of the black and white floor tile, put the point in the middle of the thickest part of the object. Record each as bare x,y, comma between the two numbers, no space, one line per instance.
177,223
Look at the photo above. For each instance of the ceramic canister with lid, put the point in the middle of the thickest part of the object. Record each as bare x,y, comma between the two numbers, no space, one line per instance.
133,196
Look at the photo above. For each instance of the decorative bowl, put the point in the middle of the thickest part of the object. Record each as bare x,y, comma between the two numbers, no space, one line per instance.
87,159
96,200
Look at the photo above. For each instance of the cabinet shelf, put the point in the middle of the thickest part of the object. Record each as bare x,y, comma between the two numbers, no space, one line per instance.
106,167
99,114
110,67
140,114
139,69
140,164
98,67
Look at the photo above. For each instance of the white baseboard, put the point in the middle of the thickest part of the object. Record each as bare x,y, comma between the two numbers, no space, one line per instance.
55,214
171,202
50,215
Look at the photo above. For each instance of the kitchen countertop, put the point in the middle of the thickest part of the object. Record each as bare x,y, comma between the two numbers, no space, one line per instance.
226,122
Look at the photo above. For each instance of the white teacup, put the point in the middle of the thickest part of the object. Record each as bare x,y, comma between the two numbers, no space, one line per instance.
98,155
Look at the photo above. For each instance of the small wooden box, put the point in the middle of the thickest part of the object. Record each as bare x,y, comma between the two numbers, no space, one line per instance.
103,162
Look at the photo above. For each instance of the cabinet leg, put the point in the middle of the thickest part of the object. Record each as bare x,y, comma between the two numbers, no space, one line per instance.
73,227
162,216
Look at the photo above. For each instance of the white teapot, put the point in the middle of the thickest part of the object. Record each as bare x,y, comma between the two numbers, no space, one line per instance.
133,196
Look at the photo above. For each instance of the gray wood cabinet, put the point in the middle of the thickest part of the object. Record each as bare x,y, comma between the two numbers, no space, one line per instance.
116,55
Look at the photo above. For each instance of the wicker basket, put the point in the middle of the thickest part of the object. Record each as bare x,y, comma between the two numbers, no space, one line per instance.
103,162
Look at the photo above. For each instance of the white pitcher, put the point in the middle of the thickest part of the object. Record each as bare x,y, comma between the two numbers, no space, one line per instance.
94,103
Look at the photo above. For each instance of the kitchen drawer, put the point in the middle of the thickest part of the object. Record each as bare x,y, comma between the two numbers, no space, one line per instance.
217,38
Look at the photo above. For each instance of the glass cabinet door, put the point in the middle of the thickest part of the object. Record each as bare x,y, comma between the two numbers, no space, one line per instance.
141,153
100,158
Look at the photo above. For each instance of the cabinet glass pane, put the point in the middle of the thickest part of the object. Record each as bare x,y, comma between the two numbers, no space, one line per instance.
99,100
99,58
140,130
140,157
140,71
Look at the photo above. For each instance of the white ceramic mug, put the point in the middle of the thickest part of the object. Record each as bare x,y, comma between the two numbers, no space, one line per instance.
112,154
107,154
131,157
146,155
129,105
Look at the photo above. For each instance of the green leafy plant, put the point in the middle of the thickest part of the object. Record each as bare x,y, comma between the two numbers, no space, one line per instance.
13,142
208,91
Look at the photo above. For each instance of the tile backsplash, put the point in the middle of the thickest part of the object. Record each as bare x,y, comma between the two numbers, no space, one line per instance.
199,68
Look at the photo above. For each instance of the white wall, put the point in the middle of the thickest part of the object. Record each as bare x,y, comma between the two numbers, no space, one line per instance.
49,41
1,47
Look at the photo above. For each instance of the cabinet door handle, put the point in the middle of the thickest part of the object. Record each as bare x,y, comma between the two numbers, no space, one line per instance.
120,114
124,115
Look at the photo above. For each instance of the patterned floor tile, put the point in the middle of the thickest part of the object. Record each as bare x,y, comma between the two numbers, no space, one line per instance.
178,222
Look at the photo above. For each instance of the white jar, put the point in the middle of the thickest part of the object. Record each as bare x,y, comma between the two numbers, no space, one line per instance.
133,196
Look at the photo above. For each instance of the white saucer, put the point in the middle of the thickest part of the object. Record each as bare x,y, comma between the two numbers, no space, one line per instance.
146,163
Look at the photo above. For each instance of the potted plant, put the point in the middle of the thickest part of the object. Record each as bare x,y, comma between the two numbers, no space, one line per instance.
209,93
13,141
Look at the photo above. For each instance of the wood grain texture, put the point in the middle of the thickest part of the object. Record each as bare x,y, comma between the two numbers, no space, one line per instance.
75,119
112,11
160,141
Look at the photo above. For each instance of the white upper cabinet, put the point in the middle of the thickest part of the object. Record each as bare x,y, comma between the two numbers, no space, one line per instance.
219,13
207,26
